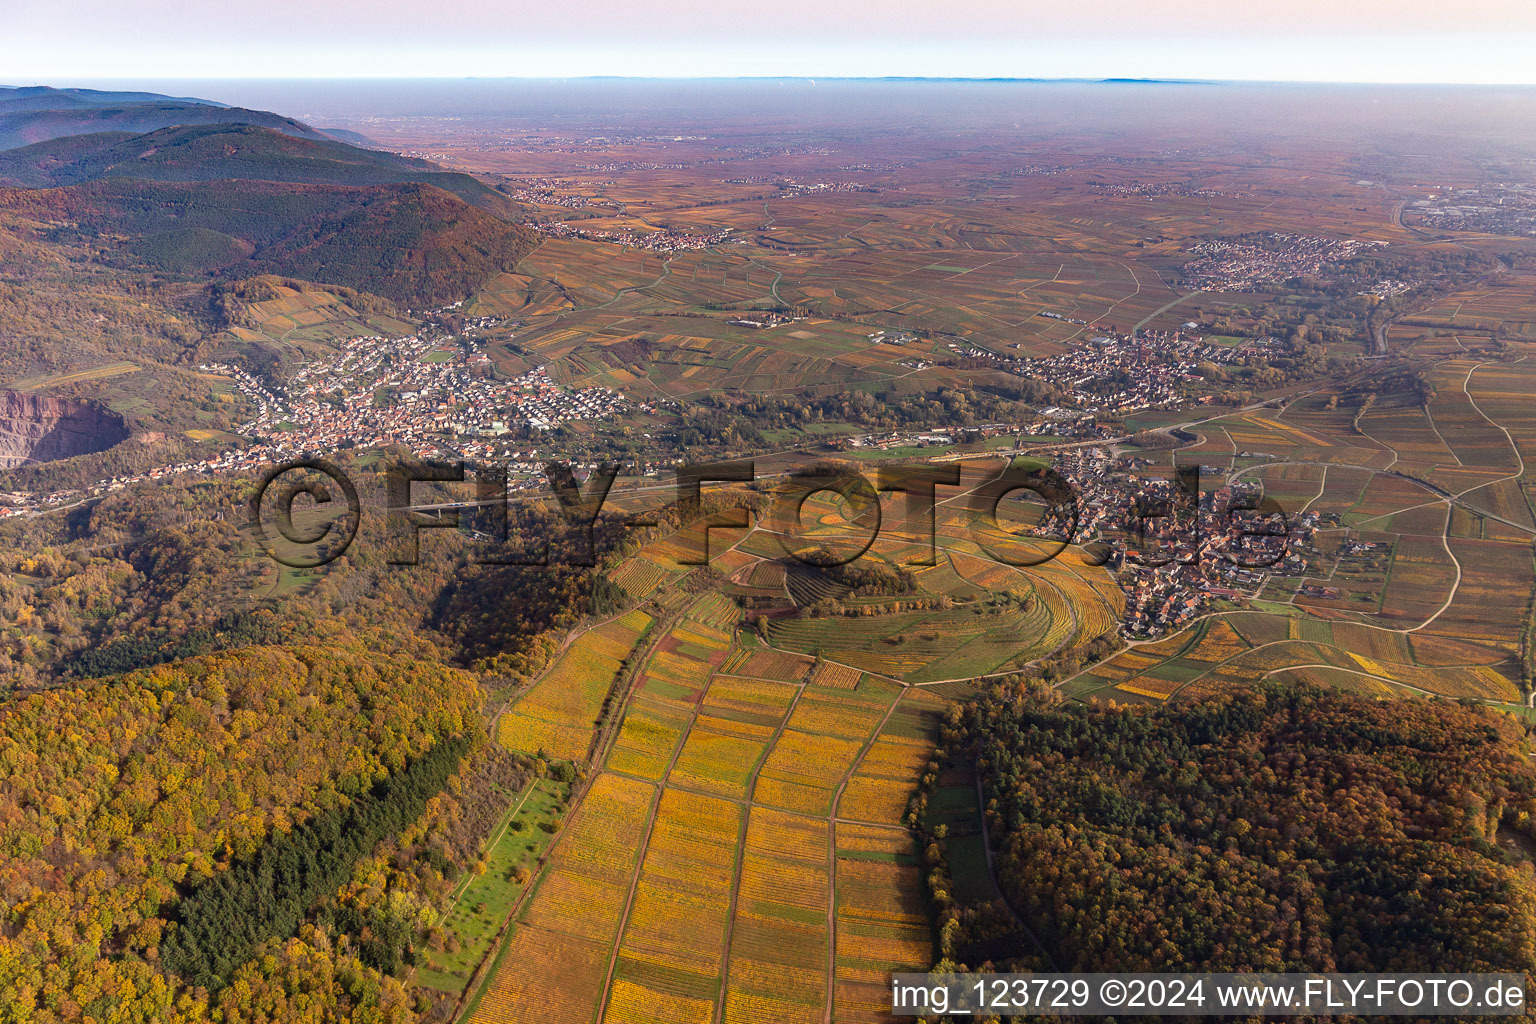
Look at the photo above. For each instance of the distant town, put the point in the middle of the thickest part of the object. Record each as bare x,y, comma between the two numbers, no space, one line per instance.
652,241
1273,258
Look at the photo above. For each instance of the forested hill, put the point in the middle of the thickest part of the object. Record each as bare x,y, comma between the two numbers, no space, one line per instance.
1275,829
38,114
413,243
282,804
122,801
207,152
46,97
191,190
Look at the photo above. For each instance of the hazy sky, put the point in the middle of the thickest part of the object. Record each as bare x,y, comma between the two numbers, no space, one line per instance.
1313,40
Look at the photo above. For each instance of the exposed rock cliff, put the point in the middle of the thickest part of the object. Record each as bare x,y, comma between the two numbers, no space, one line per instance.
37,428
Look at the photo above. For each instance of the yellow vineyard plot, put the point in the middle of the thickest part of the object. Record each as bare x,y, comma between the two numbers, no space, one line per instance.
547,977
1157,689
842,677
715,609
881,924
640,577
751,696
778,954
674,942
719,755
639,1004
705,636
803,770
558,715
558,954
646,740
886,779
627,628
819,747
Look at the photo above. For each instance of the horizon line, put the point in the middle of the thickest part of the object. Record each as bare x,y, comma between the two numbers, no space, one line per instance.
813,79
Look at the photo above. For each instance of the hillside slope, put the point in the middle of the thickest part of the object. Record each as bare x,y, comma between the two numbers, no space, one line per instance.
46,97
24,127
207,152
413,243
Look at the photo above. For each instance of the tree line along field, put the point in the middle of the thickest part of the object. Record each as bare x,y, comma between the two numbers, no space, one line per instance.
480,904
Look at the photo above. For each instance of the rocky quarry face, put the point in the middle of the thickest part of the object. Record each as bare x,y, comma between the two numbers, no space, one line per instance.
37,428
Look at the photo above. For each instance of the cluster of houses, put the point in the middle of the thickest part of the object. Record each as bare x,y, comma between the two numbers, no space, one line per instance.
1230,266
1035,171
1161,189
971,351
249,385
1070,424
1499,208
909,439
789,187
1387,287
409,390
764,320
1064,319
664,240
551,192
1119,374
1172,551
376,392
474,326
795,188
543,403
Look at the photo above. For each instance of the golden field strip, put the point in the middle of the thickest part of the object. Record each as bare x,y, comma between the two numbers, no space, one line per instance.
757,866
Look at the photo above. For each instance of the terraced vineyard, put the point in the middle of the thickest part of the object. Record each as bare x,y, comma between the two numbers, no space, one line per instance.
757,864
760,867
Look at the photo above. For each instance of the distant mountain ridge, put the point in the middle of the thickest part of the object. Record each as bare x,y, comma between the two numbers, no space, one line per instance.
46,97
209,192
229,151
38,114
